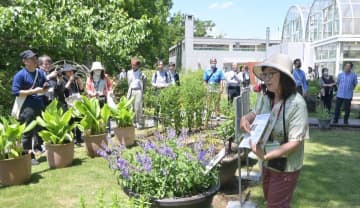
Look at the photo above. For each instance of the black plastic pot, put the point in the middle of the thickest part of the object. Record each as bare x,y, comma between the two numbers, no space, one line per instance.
324,123
202,200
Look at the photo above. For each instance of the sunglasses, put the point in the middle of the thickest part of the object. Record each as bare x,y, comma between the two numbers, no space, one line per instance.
267,76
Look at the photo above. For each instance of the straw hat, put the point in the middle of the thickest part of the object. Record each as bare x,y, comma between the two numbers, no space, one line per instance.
280,62
97,66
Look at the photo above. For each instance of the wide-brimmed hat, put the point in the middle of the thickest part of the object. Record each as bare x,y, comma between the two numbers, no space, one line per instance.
97,66
280,62
68,67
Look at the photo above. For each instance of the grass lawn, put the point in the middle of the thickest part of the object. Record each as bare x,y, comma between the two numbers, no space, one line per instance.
329,178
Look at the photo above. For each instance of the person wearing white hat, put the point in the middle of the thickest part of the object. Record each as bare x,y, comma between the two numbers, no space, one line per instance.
97,84
286,131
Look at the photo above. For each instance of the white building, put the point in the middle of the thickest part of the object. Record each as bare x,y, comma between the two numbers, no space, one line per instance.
323,35
195,52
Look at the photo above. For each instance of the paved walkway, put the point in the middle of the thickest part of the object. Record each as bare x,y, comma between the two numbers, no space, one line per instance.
353,123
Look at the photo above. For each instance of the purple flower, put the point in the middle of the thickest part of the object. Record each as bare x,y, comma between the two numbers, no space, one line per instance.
167,151
123,166
202,157
171,133
149,145
145,162
159,136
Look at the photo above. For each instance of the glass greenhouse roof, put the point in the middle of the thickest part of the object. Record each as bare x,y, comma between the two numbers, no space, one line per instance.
294,24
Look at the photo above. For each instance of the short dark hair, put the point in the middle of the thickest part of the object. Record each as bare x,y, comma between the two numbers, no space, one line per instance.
296,60
172,64
287,85
349,62
323,69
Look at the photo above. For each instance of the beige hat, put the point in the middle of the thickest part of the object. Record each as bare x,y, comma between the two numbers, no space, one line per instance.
96,66
280,62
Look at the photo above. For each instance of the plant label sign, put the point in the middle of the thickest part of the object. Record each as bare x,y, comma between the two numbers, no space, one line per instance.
215,160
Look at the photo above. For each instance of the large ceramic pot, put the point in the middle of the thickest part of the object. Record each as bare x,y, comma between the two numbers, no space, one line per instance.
202,200
324,123
93,143
228,166
60,155
125,135
15,171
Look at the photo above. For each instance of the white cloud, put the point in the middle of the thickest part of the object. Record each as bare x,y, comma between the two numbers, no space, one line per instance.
214,5
223,5
226,4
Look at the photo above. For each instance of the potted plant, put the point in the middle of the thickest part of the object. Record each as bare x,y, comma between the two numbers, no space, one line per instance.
94,121
123,115
312,95
324,117
57,135
15,167
166,172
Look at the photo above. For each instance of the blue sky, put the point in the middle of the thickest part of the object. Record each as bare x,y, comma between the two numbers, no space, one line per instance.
240,18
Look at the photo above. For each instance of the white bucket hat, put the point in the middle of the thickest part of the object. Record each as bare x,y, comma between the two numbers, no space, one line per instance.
280,62
96,66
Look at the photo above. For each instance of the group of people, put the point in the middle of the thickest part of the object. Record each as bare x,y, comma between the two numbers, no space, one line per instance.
344,86
38,83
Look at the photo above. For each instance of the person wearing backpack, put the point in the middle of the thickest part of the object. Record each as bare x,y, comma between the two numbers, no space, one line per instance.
160,80
214,81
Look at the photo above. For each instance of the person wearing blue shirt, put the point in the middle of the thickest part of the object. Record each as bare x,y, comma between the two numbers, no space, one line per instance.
30,82
346,82
300,78
214,81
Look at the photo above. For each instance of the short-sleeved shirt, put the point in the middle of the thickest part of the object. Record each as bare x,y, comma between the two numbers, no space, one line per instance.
24,80
215,78
296,125
346,85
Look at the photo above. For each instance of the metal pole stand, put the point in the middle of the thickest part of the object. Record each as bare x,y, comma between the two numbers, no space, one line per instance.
241,107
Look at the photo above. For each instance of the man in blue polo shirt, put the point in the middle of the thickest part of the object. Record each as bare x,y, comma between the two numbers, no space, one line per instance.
346,82
300,78
30,82
214,81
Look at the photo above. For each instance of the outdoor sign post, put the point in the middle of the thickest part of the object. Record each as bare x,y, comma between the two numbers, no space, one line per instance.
241,106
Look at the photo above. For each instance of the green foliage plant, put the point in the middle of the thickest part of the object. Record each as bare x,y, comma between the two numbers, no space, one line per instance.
170,107
313,87
11,132
123,113
56,124
93,118
165,167
323,113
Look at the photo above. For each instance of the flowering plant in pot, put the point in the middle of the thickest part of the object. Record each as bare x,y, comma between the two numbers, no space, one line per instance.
57,134
166,171
15,167
94,121
124,115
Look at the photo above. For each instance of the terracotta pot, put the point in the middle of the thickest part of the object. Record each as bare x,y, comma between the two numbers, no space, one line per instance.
125,135
227,169
60,155
15,171
93,144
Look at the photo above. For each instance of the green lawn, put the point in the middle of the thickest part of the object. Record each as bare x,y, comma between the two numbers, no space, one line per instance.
329,178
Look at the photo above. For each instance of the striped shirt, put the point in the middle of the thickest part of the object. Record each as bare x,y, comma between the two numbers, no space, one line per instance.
346,83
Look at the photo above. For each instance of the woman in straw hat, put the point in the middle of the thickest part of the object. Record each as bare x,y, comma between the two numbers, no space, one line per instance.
282,146
97,85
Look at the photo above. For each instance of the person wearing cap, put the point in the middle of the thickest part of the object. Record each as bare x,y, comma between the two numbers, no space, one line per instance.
214,78
30,82
72,87
300,78
136,80
98,85
282,147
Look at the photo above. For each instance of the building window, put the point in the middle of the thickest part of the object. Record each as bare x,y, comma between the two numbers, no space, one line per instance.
211,47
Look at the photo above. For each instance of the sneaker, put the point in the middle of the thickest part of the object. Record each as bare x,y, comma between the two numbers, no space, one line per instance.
34,162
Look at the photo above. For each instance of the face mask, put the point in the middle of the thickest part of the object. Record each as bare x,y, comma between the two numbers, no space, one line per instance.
213,66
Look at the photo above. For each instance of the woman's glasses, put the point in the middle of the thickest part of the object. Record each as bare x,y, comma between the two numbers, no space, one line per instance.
267,76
